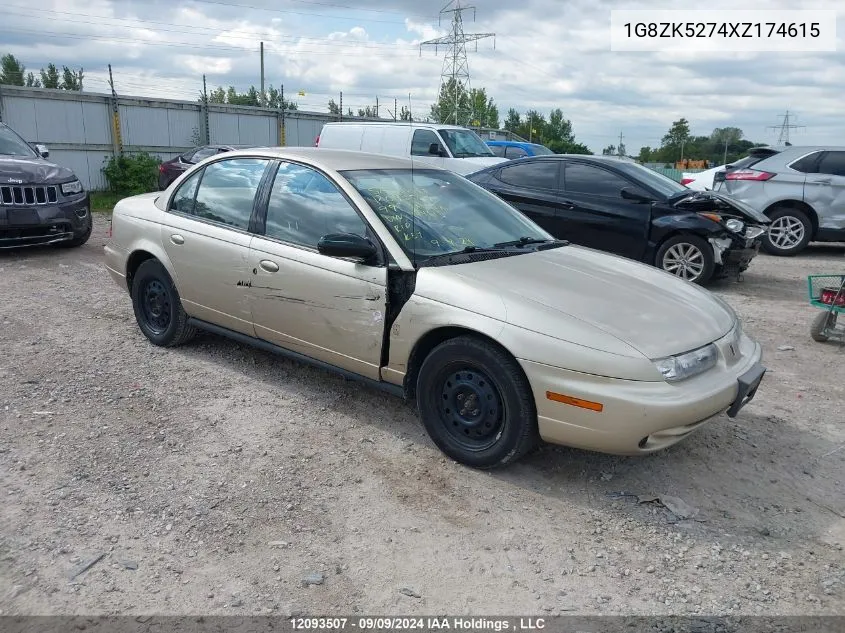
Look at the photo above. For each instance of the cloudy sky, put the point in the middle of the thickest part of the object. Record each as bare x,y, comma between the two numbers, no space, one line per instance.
548,54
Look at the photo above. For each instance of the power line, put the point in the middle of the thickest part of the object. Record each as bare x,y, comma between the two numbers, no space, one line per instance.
455,71
785,127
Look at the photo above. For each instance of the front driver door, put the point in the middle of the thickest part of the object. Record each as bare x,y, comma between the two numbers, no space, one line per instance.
591,202
205,234
421,143
531,186
327,308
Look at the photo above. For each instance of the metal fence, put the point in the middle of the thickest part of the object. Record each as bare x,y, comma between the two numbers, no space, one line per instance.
83,130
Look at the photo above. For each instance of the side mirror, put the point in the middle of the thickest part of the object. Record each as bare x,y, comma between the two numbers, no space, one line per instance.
435,150
630,194
347,245
42,150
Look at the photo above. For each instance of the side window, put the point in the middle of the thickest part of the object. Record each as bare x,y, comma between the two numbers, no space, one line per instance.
305,205
535,175
227,191
807,164
515,152
583,178
832,163
498,150
183,199
422,140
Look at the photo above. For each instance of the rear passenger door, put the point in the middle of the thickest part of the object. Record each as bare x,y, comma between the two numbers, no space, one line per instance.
824,190
205,234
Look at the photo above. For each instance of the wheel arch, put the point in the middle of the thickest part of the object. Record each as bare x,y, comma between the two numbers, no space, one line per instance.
141,253
434,337
798,205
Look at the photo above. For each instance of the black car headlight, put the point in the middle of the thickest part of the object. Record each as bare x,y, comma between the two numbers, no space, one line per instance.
69,188
735,225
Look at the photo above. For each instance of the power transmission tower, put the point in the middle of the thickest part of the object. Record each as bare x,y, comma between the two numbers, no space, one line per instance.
784,127
455,72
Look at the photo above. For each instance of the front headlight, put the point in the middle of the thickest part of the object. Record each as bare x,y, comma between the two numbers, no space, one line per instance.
675,368
74,186
754,232
735,225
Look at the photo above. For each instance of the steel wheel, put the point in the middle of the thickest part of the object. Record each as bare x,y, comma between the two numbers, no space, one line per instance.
471,409
786,232
156,306
684,260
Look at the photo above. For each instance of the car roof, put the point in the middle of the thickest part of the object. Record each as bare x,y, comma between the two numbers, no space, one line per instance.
514,144
334,159
438,126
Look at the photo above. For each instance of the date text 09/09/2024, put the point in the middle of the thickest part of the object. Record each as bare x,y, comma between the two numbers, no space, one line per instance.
417,624
722,29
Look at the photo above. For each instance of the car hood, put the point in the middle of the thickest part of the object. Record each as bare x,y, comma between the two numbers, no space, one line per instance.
577,290
714,201
31,171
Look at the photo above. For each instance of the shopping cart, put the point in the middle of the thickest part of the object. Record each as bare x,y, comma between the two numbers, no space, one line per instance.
827,292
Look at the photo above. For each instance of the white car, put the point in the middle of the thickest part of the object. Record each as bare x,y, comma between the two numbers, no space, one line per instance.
702,180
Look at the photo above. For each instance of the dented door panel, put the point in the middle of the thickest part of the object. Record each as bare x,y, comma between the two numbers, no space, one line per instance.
326,308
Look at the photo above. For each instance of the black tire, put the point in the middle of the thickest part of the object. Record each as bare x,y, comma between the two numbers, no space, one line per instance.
823,321
79,239
485,437
158,309
784,220
688,257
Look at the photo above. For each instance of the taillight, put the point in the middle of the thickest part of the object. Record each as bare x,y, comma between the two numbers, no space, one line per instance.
317,141
108,232
748,174
686,181
161,168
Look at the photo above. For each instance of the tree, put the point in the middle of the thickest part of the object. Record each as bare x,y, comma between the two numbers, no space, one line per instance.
610,150
513,121
11,71
71,79
334,108
405,114
249,98
621,151
453,104
483,109
368,111
218,95
31,81
677,136
50,78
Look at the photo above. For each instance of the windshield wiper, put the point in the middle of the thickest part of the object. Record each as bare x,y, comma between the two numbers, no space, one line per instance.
522,241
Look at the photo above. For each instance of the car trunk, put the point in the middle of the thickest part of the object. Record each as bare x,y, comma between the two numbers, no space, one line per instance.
754,156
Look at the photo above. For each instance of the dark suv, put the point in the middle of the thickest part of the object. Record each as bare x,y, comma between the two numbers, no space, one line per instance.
40,202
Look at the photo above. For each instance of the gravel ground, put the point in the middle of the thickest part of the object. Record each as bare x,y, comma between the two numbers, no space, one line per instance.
219,479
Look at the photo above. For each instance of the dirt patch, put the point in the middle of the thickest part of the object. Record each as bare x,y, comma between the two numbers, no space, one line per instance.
219,479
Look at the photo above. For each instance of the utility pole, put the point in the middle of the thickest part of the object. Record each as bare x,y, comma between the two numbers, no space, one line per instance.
205,133
455,73
341,105
283,136
117,139
620,147
395,108
783,137
263,100
376,106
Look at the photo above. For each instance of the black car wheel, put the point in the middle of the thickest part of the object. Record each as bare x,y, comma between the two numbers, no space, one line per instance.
476,403
688,257
789,233
158,309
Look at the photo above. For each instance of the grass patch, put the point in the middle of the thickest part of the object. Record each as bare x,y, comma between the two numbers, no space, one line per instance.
104,201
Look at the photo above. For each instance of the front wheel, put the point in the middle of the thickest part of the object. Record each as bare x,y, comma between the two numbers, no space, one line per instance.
476,403
823,321
157,306
688,257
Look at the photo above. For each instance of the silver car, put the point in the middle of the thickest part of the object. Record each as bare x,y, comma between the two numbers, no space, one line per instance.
802,190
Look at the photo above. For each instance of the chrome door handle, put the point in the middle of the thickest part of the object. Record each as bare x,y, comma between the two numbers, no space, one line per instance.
177,239
270,267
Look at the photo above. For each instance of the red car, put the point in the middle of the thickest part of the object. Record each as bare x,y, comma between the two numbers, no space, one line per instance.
172,169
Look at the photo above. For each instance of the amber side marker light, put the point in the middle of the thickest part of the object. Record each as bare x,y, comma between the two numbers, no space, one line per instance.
575,402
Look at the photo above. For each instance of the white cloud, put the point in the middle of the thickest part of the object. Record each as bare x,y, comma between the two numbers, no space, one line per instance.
547,54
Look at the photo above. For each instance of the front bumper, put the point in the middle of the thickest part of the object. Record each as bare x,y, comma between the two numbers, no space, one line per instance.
638,417
37,225
733,255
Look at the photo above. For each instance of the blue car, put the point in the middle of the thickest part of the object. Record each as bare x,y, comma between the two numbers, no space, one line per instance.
517,149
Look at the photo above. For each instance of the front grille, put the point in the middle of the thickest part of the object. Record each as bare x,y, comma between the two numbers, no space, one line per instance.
28,195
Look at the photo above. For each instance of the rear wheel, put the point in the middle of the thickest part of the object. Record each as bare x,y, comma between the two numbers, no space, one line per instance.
823,321
476,403
688,257
789,233
158,309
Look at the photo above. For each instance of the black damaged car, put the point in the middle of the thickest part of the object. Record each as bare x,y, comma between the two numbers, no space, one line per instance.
40,202
619,206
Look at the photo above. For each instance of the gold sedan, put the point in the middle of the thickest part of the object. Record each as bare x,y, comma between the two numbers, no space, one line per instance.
417,281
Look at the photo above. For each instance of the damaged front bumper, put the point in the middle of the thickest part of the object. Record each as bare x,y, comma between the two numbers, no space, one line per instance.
733,253
41,224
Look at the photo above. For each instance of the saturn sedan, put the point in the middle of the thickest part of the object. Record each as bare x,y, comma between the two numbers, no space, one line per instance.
419,282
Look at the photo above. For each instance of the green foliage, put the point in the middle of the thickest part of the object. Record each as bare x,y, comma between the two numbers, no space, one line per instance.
456,106
251,97
71,79
50,77
722,145
31,81
556,133
131,175
333,107
405,114
11,71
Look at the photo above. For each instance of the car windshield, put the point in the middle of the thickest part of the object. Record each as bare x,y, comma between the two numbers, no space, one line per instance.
465,143
438,212
663,185
13,145
541,150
